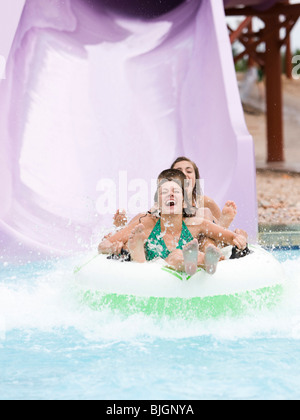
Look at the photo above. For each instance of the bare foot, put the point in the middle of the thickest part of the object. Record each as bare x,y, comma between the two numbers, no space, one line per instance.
212,257
228,214
190,255
136,244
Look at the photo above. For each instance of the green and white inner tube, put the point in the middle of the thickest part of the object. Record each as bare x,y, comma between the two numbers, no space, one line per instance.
255,281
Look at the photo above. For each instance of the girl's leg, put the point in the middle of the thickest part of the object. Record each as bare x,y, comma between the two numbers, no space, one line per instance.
211,255
190,255
211,259
136,244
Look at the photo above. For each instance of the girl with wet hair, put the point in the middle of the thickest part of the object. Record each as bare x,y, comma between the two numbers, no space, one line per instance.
167,237
201,205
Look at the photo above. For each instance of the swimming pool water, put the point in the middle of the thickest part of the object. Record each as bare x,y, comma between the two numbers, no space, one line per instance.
51,347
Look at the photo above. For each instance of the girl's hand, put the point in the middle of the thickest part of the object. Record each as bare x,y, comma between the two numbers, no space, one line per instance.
120,219
117,248
240,241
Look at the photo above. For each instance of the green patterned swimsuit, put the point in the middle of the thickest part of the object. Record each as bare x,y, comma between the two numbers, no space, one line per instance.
156,247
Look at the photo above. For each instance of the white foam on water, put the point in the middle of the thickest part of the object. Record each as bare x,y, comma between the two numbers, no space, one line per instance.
32,297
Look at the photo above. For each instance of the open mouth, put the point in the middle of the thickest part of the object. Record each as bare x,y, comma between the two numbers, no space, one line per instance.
171,203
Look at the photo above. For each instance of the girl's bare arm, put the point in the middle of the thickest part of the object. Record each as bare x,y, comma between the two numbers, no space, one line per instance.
219,234
213,207
114,243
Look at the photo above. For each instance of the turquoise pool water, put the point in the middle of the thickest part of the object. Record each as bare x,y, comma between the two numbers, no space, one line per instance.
51,347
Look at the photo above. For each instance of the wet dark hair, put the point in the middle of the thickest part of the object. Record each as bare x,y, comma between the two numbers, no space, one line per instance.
167,176
197,189
171,175
177,176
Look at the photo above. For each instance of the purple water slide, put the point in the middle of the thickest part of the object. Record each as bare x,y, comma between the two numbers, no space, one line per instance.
97,97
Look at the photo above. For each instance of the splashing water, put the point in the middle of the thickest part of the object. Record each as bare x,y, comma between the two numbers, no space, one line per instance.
51,346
